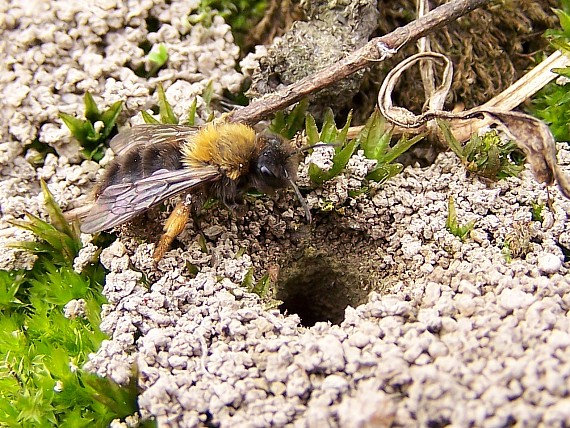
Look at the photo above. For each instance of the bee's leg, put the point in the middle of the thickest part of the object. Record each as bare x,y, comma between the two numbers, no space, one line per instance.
196,212
172,228
237,211
236,206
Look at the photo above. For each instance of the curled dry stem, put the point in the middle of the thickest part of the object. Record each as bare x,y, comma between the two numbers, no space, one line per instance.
530,134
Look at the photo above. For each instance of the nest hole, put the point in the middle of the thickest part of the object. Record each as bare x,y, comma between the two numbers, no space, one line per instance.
319,289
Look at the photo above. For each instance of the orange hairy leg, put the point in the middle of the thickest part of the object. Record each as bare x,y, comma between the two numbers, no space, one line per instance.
172,228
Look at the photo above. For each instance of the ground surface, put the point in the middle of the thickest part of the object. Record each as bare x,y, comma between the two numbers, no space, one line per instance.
452,332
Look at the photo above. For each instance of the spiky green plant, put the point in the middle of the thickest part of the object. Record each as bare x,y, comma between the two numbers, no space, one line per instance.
330,134
158,56
166,112
94,131
264,288
452,223
288,124
536,211
374,139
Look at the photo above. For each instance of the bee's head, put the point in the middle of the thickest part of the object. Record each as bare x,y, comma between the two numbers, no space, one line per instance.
276,165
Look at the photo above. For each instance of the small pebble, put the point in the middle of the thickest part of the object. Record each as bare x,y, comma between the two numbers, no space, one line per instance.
549,263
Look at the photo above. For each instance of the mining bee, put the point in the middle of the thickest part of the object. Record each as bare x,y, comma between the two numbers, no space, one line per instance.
156,162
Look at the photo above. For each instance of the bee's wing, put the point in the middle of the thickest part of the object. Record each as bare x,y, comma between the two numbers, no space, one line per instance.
121,202
150,134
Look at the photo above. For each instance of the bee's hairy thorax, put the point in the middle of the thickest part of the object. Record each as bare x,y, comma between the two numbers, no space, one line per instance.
229,146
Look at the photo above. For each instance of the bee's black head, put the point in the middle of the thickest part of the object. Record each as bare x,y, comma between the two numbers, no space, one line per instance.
276,165
276,168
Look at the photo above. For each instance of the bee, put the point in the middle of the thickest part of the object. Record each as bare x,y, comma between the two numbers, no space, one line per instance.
157,162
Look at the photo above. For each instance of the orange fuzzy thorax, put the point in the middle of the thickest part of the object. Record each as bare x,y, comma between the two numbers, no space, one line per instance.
229,146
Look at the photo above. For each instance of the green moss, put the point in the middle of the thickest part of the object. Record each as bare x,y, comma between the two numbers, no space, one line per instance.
488,156
552,103
241,15
42,382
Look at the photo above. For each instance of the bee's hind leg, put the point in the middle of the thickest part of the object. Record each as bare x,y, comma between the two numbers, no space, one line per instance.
172,228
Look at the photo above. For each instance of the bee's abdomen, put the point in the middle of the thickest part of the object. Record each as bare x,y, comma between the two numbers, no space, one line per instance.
160,156
140,162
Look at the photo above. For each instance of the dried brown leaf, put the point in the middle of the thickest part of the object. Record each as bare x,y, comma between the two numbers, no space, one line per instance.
534,137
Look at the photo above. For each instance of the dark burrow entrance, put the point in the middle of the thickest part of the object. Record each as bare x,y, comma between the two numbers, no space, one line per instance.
319,288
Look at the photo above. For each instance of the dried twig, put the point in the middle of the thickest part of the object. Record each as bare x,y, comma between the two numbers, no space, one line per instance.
377,49
424,45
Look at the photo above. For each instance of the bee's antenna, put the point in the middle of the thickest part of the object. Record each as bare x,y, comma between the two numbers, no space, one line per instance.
294,186
301,200
229,105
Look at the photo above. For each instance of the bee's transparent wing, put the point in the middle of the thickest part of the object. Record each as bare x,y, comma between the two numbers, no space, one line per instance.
150,134
121,202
